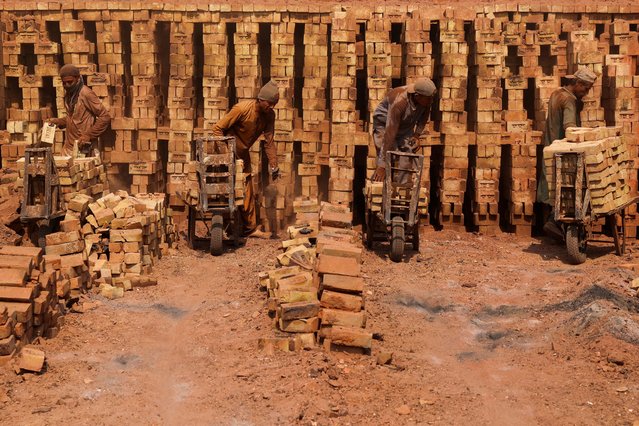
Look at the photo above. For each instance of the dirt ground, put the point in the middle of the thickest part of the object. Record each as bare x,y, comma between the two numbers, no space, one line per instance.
484,330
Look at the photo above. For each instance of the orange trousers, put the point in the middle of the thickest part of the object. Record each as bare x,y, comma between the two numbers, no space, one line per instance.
249,213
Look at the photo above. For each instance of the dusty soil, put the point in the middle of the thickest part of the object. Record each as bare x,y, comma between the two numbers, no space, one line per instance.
484,330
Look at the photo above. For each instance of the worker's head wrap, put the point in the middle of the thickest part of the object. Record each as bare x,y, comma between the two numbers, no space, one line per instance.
423,86
69,70
270,93
584,74
71,93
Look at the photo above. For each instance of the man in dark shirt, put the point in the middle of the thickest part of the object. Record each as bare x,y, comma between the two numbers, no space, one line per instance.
563,112
399,119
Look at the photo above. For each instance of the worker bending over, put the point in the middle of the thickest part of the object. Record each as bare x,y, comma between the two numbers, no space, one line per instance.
564,107
86,117
246,121
399,119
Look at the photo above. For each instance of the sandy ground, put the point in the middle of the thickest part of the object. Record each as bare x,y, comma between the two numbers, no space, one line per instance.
484,330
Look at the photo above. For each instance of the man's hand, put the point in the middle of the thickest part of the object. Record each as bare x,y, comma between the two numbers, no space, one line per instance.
379,175
84,140
275,174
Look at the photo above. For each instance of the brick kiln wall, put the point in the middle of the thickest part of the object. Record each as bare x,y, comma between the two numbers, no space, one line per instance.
168,72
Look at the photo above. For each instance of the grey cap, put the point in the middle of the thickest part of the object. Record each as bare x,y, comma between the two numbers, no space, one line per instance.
423,86
270,92
584,74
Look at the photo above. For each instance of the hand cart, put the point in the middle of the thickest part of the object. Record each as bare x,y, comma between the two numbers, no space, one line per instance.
398,219
573,208
216,177
42,205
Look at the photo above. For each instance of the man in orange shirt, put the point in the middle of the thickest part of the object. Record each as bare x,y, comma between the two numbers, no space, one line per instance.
247,121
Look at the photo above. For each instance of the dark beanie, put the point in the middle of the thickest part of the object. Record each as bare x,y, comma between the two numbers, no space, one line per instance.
69,70
270,92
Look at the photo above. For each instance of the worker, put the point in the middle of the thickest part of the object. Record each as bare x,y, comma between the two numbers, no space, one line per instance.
246,121
564,107
399,119
86,117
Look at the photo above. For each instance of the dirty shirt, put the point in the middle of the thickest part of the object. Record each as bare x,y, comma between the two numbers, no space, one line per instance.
395,121
246,124
563,112
89,117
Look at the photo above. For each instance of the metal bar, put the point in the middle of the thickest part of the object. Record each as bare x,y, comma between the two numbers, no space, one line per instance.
558,213
579,190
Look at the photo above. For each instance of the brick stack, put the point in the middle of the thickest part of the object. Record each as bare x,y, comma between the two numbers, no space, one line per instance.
489,69
315,130
323,297
277,208
147,174
379,64
124,236
76,49
76,176
583,51
344,116
341,286
215,81
418,64
28,301
316,125
606,162
69,248
247,62
453,70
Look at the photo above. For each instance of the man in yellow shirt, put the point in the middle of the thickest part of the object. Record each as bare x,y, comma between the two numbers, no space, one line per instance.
247,121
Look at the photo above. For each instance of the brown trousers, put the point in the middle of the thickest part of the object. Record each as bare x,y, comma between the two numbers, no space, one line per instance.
249,213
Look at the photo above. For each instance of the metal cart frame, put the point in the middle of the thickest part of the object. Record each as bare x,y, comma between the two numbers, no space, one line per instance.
573,208
400,197
216,181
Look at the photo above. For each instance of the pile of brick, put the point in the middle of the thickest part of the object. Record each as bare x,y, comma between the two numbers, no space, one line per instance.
30,287
317,294
607,165
191,191
122,236
76,176
374,192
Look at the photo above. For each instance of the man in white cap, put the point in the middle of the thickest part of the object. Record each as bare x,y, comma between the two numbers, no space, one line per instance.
564,107
247,121
399,119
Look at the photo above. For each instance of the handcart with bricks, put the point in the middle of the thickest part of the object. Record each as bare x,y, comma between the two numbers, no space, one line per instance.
588,177
216,207
397,221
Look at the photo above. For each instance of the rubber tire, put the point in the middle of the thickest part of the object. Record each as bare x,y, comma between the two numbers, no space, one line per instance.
217,235
575,245
398,239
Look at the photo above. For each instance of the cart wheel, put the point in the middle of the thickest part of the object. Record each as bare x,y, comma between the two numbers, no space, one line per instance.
576,244
237,228
398,239
217,232
368,235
